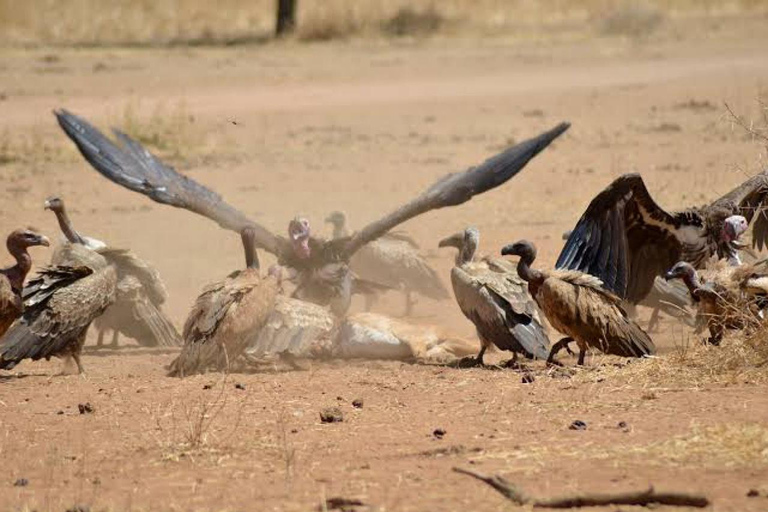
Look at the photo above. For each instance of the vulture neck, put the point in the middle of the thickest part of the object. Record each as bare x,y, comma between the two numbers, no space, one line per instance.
251,258
340,231
526,273
17,273
66,227
692,282
466,254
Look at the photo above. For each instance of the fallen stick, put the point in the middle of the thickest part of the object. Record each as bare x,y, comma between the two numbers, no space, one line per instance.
638,498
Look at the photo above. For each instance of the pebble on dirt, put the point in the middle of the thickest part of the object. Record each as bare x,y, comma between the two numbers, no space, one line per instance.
21,482
85,408
331,415
578,425
357,403
239,386
439,433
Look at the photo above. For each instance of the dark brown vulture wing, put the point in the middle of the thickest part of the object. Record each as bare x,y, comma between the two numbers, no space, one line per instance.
458,188
749,200
625,239
135,168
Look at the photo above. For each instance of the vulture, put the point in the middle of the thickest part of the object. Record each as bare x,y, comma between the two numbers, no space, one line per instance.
12,278
729,298
626,240
137,310
227,316
577,305
393,262
494,298
59,305
320,268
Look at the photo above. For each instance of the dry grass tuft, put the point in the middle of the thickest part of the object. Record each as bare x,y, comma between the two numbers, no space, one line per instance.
631,18
408,21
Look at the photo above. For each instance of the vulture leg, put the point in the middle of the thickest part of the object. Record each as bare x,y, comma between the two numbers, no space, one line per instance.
76,357
716,332
582,352
472,362
370,301
409,302
512,363
654,320
115,335
557,347
100,340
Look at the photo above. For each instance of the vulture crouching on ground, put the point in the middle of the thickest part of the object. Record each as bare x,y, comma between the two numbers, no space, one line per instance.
320,268
494,298
137,311
226,317
577,305
626,240
59,305
393,262
12,278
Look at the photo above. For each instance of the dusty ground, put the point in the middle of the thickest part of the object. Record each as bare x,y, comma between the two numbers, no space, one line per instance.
287,129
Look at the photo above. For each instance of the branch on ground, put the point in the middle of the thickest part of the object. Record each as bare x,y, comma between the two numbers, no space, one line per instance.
638,498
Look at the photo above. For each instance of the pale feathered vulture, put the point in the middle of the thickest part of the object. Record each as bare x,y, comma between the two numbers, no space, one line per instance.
59,305
321,266
577,305
137,311
494,298
393,262
730,297
226,317
12,278
625,239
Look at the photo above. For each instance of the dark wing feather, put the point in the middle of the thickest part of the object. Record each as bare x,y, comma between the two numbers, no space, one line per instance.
458,188
135,168
128,264
624,238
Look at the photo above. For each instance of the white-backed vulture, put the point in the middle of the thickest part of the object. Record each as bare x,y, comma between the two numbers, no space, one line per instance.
626,240
494,298
321,266
730,298
226,316
577,305
137,311
59,305
391,261
12,278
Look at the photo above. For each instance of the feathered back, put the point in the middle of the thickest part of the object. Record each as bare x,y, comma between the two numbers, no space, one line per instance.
128,264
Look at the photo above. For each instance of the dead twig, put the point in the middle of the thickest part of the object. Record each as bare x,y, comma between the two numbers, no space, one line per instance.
638,498
749,128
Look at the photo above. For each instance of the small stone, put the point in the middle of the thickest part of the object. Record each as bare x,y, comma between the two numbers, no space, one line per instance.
578,425
753,493
85,408
208,386
239,386
21,482
357,403
623,426
331,415
60,412
79,508
439,433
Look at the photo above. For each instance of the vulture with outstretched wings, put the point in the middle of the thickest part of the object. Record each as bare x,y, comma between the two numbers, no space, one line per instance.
625,239
321,266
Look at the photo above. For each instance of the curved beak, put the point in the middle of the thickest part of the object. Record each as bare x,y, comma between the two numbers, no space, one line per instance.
567,234
508,250
668,276
43,240
47,205
452,241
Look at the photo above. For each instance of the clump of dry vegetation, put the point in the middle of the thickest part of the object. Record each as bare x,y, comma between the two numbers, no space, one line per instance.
632,18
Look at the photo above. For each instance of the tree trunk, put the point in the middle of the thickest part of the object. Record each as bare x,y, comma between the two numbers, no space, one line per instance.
286,17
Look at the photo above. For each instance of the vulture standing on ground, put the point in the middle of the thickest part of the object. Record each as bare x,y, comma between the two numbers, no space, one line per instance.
137,311
393,262
227,316
625,239
577,305
494,298
319,267
729,297
12,278
59,305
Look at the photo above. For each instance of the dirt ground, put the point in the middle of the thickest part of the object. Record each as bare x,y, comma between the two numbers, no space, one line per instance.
287,128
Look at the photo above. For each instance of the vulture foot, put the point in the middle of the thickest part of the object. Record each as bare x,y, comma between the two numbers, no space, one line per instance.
557,347
468,362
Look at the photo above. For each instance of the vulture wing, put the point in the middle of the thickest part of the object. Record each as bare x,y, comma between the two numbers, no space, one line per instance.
748,199
625,239
135,168
128,264
458,188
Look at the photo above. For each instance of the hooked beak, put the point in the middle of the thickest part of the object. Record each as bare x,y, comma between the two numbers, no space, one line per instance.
43,240
47,205
451,241
508,250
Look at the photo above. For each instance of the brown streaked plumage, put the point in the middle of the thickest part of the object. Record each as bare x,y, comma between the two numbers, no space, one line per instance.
577,305
226,317
12,278
59,306
137,311
320,266
393,262
494,298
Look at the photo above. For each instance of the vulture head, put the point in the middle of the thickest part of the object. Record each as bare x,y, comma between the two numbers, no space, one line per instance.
55,204
298,233
465,241
337,219
685,271
733,227
19,240
248,235
522,248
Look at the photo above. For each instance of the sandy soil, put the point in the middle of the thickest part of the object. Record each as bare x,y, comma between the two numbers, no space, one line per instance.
286,129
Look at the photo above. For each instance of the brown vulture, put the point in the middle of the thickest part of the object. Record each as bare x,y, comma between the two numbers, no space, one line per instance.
12,278
320,267
625,239
577,305
59,305
393,262
227,316
137,311
494,298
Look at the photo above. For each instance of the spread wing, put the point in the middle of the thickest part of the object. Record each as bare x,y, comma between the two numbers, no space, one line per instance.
748,199
128,264
625,239
135,168
458,188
